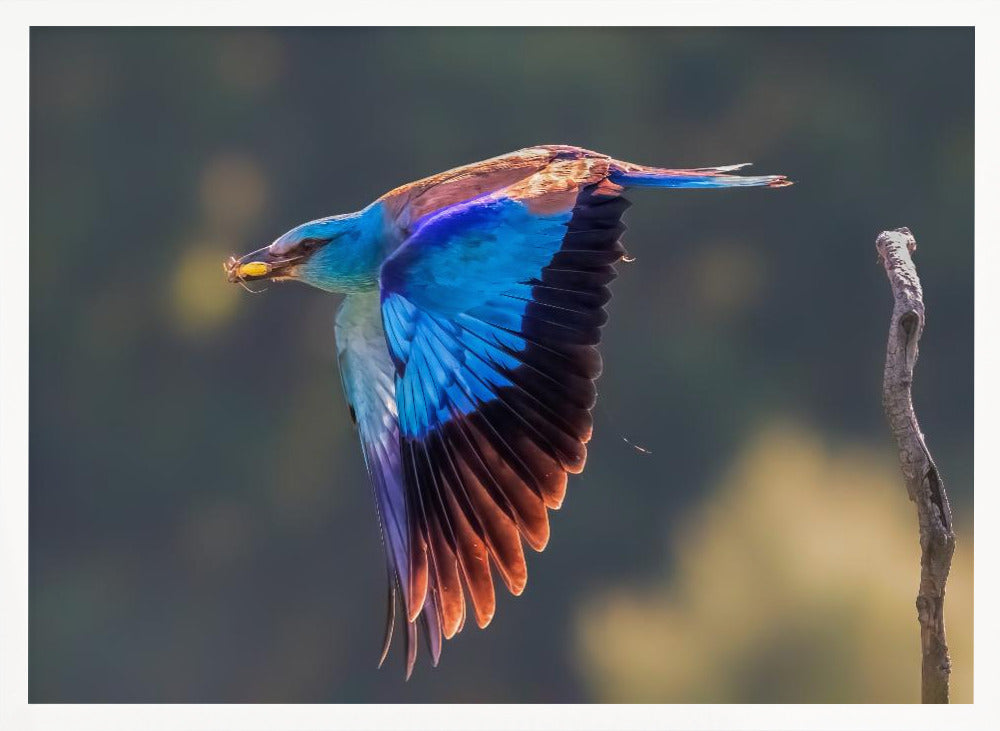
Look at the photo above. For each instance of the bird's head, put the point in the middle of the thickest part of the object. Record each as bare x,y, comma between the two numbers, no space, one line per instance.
337,254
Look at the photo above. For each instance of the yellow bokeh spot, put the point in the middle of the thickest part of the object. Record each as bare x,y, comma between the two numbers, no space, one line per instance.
795,582
201,298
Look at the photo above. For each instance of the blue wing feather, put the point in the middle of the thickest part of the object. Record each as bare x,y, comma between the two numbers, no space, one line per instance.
458,257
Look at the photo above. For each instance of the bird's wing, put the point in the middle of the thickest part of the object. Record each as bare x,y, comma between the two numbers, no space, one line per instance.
368,377
492,311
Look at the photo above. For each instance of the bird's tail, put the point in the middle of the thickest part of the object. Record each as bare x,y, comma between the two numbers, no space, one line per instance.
629,174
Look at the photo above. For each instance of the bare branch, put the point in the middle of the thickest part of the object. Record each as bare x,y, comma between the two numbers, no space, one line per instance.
923,482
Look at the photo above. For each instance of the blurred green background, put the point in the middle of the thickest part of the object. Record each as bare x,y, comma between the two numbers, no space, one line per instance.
202,529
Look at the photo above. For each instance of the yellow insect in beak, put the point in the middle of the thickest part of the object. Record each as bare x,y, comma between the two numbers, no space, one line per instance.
254,269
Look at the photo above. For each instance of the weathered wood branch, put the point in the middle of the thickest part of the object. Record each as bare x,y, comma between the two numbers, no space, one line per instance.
923,482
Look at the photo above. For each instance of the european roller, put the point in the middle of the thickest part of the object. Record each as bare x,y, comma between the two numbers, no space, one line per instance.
467,345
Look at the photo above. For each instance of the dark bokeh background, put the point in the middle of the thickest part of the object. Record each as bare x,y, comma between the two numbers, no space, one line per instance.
201,525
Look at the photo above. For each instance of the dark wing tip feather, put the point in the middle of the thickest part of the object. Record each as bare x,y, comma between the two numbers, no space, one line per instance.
411,648
390,619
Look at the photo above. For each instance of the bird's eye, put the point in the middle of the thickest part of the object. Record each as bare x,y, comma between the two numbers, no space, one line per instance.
312,243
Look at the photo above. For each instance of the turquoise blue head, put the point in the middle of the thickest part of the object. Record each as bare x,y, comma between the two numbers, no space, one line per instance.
337,254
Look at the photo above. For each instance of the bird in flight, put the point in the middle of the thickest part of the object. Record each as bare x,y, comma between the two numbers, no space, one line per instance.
467,346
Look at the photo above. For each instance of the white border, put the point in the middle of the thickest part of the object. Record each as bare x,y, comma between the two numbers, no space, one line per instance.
15,19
